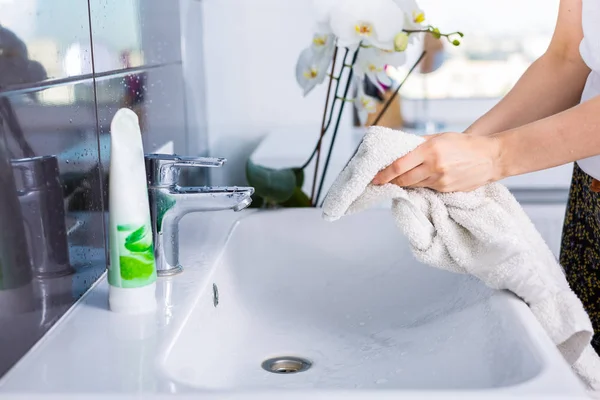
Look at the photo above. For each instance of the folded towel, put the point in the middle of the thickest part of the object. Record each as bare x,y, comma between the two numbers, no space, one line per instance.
484,233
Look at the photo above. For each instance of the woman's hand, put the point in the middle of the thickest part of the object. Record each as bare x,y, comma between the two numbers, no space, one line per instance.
446,162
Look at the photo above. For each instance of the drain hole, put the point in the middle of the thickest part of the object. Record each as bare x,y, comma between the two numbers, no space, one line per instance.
286,365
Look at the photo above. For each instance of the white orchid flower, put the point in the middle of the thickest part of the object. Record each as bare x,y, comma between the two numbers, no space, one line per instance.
314,61
322,10
372,63
323,44
372,22
414,15
364,103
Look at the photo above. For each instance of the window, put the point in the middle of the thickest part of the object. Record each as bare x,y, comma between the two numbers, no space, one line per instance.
501,40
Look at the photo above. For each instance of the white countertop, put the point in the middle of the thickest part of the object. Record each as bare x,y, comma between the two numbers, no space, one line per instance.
92,350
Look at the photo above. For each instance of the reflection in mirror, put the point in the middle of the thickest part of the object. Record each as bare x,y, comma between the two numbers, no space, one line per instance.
37,48
54,142
44,31
15,66
52,243
40,193
15,272
116,28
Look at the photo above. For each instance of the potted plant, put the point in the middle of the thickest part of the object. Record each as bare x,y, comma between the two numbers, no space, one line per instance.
355,42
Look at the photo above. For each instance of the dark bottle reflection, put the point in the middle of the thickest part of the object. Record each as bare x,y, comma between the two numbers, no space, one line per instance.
15,270
15,66
36,284
41,199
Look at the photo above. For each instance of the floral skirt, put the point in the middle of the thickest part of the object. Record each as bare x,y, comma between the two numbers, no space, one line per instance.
580,247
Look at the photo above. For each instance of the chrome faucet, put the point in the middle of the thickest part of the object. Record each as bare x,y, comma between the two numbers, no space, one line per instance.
169,202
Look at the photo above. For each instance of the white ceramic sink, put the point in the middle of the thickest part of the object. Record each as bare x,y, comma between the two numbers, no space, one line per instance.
349,297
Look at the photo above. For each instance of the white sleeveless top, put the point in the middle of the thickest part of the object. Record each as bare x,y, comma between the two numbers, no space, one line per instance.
590,52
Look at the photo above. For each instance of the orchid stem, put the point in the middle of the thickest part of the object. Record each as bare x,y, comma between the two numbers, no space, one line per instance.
337,86
323,130
393,96
337,90
337,126
437,34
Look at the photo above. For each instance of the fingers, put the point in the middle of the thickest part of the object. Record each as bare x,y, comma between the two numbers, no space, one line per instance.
413,178
399,167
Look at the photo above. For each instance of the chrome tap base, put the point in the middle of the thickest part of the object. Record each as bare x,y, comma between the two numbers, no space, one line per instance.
170,272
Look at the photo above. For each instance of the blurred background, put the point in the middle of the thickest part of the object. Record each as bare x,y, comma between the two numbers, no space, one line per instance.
206,77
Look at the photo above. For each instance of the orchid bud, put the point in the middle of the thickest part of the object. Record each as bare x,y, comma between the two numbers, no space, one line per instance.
401,41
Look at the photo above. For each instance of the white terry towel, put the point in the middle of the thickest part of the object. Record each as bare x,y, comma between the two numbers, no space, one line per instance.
484,233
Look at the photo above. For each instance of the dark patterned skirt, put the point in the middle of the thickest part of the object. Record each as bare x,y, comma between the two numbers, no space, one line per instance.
580,247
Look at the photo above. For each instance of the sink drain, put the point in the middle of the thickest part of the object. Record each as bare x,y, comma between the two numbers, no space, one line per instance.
286,365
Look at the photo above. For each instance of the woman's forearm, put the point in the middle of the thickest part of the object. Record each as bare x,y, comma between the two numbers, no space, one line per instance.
550,85
568,136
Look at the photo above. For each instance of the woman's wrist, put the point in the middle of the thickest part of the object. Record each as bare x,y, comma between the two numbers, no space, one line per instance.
472,130
477,130
499,144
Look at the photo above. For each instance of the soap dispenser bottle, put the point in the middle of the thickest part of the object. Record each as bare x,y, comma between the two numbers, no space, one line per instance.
132,269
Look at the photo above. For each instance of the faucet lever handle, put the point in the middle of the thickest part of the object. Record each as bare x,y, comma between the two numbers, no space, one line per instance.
163,169
198,162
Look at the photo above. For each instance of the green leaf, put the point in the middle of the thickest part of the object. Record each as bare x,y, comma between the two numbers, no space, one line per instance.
136,235
298,199
163,204
139,241
125,228
273,184
299,172
257,201
135,267
139,247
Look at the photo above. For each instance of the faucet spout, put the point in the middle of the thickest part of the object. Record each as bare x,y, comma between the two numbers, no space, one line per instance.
212,198
168,205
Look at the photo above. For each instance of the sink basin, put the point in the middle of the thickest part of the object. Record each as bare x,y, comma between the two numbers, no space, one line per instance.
349,298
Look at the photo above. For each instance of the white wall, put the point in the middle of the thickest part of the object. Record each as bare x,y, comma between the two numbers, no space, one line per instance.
192,45
250,52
